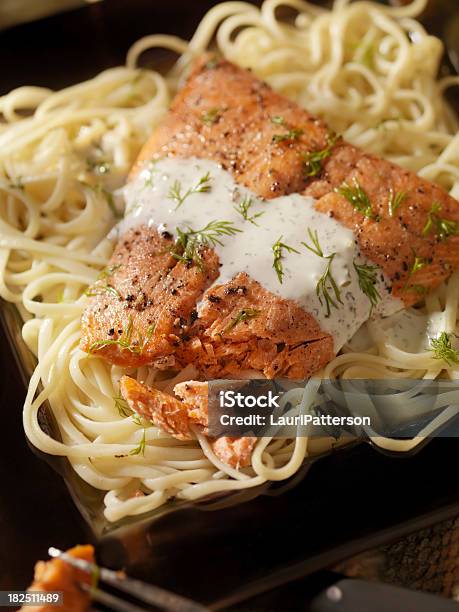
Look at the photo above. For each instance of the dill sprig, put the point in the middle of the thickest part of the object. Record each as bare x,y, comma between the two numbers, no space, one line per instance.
395,201
442,349
108,271
140,450
358,197
130,340
188,243
367,277
211,116
292,134
278,252
99,289
323,292
122,406
244,315
313,159
443,227
418,263
175,192
243,208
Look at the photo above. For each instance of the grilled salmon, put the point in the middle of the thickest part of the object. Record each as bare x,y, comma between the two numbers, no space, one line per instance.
151,307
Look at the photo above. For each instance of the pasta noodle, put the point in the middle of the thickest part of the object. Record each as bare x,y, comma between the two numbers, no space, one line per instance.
369,70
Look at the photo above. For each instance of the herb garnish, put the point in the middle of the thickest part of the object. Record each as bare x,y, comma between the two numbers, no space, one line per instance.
322,290
175,192
122,406
126,340
357,197
140,450
101,289
188,243
277,250
442,349
395,200
292,134
418,263
243,208
211,116
313,159
243,315
367,276
442,227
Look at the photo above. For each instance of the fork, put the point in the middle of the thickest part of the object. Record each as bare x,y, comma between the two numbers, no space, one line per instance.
149,596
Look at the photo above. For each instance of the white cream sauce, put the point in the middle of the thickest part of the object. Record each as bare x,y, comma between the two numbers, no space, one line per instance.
250,250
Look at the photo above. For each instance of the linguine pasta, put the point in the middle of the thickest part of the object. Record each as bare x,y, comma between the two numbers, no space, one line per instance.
370,71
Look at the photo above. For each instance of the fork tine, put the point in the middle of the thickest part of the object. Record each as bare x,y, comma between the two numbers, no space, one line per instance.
142,591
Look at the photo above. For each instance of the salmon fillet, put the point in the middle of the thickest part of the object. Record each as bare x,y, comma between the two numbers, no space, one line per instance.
176,415
57,575
273,147
244,140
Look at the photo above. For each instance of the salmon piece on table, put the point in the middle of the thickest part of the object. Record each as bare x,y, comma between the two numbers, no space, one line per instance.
176,415
57,575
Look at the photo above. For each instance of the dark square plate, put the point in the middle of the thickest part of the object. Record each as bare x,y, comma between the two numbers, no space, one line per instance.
348,502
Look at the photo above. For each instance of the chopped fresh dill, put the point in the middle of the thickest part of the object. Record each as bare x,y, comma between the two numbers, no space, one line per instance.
211,116
313,159
395,201
292,134
323,292
367,276
104,288
175,192
358,197
130,340
101,290
122,406
278,252
244,315
443,228
243,208
108,271
188,243
140,450
418,263
442,349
